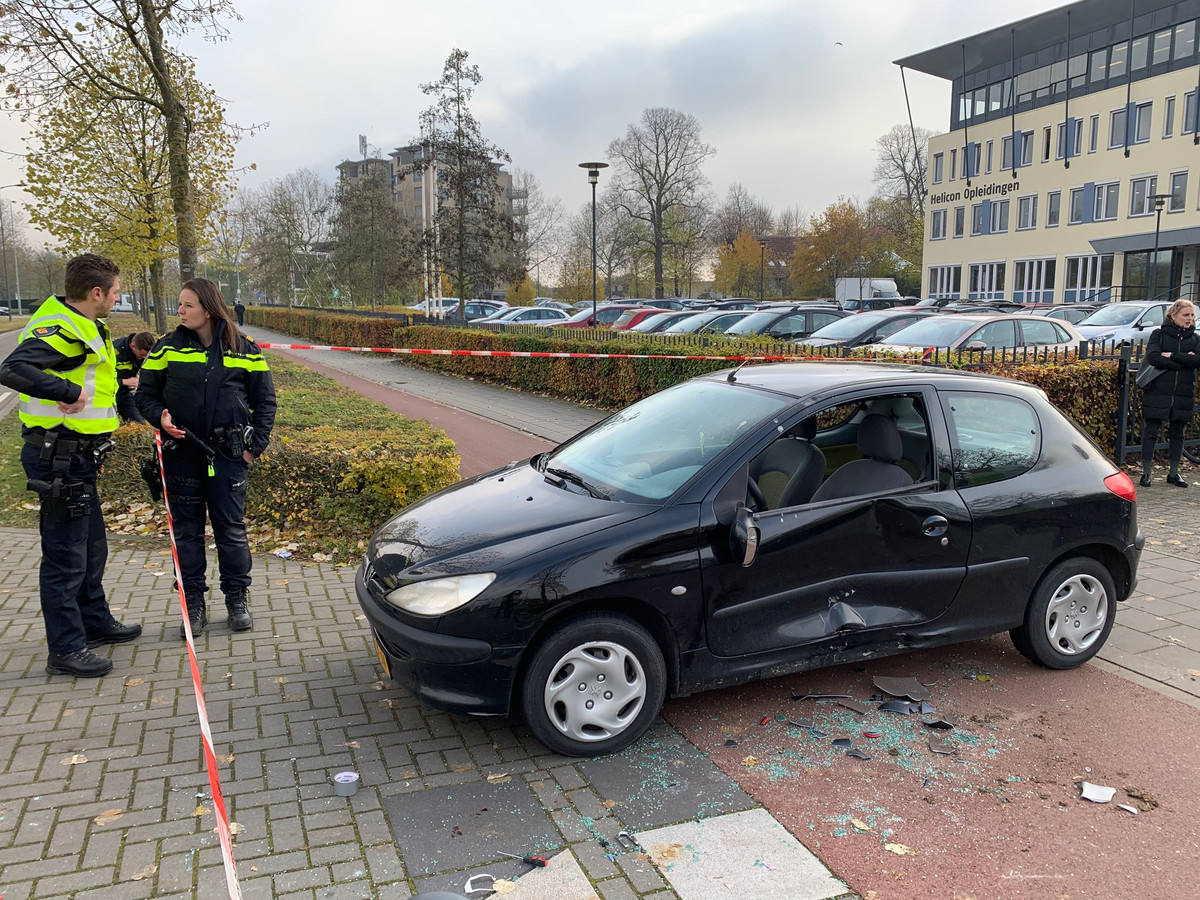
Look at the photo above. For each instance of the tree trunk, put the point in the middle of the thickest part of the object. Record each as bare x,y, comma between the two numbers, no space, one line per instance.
157,291
175,121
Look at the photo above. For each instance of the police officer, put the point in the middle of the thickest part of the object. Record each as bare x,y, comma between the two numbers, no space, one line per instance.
64,369
131,351
208,387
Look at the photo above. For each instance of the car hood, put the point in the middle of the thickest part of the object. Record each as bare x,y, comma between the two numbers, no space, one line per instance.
489,521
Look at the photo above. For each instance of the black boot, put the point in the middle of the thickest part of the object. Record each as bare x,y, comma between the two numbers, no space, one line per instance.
1145,482
82,664
237,602
197,614
1176,479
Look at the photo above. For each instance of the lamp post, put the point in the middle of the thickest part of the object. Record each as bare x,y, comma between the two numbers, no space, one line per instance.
1159,201
16,268
762,266
593,170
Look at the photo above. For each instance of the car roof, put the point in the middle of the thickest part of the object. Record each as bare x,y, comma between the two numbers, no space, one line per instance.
799,379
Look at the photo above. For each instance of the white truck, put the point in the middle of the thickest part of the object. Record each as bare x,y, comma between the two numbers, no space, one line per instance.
851,293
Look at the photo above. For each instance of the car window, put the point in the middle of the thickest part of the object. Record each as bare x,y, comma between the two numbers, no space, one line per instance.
994,437
995,334
1153,317
890,328
1037,331
821,319
789,326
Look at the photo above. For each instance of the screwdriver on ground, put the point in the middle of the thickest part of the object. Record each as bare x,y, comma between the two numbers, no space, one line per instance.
539,861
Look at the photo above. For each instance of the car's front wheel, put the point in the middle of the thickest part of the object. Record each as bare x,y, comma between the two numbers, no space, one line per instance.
594,686
1070,615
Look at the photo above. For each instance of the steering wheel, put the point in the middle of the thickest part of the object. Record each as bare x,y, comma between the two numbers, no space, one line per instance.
758,502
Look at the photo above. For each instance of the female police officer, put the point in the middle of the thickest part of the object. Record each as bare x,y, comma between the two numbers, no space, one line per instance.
208,387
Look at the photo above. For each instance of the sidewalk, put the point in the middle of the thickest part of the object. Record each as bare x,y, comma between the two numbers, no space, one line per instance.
105,794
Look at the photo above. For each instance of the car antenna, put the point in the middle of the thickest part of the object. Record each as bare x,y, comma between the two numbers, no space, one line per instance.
733,375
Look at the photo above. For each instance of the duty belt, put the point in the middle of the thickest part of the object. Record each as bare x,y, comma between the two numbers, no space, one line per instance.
65,441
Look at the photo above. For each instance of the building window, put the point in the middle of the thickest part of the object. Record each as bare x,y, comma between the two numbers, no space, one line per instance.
986,281
970,160
1092,142
1178,192
1162,48
938,168
1024,150
1075,213
960,215
999,220
1169,117
1141,196
1189,113
989,157
1070,138
977,219
1033,280
1053,202
1116,130
1139,52
1089,279
1046,132
1185,40
1106,201
953,164
937,230
1119,56
1141,121
1026,213
945,281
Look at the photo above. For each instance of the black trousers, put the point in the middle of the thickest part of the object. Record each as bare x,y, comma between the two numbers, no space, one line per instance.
1150,429
74,552
193,495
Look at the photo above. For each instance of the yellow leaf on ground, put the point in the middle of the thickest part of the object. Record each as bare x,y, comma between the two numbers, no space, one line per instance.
73,760
900,849
109,815
499,778
860,825
201,810
144,872
750,761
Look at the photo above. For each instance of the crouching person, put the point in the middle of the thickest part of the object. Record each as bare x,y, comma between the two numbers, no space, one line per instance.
207,387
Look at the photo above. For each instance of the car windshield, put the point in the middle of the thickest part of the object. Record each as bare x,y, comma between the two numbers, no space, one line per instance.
647,451
849,327
692,323
753,323
1117,314
655,320
935,331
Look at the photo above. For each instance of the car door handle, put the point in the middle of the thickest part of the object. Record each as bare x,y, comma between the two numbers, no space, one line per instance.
935,526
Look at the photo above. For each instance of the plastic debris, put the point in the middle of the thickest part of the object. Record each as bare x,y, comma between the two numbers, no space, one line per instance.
843,743
901,707
855,706
939,721
1129,809
283,554
626,841
856,753
872,734
902,687
801,723
1097,793
937,745
818,734
468,889
730,742
927,708
765,720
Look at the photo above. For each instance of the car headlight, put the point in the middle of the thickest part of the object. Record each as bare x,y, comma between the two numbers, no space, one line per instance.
439,595
1105,335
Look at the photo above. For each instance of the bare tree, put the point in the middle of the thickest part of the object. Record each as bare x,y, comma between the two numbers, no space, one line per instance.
791,222
901,169
536,218
48,45
658,169
741,211
291,221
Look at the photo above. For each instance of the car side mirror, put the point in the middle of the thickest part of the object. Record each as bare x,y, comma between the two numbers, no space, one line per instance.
743,537
976,345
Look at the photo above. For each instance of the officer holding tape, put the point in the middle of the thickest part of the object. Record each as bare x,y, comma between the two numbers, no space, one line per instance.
208,388
64,369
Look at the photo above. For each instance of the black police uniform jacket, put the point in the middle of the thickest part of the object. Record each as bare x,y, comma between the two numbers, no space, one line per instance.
1172,395
128,365
206,388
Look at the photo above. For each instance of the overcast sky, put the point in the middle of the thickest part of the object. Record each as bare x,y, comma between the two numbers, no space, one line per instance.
791,93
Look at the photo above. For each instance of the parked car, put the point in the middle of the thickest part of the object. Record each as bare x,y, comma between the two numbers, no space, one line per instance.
481,309
1065,312
661,319
736,303
867,328
1127,322
550,301
430,307
983,332
935,301
648,555
606,314
857,305
709,321
788,322
634,315
526,315
665,303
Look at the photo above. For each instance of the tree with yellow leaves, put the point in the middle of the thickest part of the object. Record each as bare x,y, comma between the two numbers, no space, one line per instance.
98,169
739,267
840,243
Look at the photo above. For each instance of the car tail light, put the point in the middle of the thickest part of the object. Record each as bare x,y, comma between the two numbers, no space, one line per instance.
1121,485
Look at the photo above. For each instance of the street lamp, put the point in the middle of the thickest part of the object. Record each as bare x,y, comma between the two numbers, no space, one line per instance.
1159,201
16,268
593,170
762,266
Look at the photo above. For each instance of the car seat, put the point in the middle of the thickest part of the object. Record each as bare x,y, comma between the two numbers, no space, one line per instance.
881,448
791,468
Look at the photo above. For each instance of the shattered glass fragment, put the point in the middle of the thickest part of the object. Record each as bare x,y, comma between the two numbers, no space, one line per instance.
902,707
902,687
843,743
854,705
937,745
927,708
798,697
940,721
856,753
801,723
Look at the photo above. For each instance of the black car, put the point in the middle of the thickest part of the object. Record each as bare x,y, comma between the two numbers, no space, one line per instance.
746,524
857,330
788,322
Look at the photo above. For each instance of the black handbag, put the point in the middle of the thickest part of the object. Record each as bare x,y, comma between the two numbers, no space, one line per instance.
1146,374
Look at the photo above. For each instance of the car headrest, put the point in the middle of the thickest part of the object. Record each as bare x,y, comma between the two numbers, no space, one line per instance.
806,430
879,438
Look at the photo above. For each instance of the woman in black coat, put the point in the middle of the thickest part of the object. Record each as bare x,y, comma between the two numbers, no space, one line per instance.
1171,396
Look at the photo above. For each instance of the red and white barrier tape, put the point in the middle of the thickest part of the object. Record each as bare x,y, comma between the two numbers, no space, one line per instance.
210,756
537,354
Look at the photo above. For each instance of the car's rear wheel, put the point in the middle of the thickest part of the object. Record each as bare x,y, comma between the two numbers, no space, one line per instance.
594,686
1069,616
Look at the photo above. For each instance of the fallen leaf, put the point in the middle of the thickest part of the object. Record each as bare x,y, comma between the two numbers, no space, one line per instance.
499,778
281,680
226,757
1195,673
388,704
750,761
408,775
860,825
464,769
73,760
201,810
900,849
234,828
351,744
109,815
609,804
661,854
134,682
144,872
282,581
